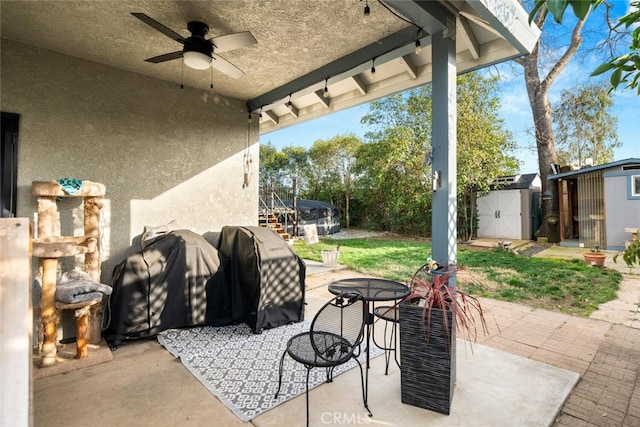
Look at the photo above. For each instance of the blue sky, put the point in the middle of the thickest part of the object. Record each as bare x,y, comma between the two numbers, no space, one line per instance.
515,108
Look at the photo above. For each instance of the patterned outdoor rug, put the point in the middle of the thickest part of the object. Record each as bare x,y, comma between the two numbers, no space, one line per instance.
241,368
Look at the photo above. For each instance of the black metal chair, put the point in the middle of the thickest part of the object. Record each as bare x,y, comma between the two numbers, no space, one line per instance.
335,336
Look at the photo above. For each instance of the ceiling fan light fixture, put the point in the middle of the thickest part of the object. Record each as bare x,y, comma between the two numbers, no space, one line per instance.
197,52
196,60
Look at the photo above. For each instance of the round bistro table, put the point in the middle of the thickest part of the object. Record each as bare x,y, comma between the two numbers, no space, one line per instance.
372,290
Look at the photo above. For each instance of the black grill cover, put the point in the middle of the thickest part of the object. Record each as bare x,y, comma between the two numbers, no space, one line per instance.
263,280
161,287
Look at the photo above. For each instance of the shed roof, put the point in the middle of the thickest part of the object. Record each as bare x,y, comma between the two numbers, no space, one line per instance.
629,161
515,182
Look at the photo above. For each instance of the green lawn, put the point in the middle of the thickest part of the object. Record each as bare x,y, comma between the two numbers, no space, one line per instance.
553,284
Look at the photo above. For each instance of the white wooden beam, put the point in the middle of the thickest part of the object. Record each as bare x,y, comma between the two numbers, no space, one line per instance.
293,110
511,20
361,85
325,101
271,116
469,38
484,24
410,69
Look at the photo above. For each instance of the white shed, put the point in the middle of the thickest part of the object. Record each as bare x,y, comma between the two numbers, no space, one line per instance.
510,210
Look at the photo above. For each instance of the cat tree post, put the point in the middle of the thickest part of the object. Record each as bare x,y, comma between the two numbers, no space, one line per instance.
47,216
49,246
92,206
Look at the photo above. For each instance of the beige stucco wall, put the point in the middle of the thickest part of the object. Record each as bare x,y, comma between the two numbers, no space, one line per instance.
163,153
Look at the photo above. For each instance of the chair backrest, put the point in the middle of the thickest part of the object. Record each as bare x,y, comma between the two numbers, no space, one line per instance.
338,328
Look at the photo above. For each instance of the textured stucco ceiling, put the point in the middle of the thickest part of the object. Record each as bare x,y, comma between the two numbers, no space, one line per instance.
302,44
294,36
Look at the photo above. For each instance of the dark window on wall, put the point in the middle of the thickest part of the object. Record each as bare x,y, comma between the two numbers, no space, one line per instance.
635,186
9,163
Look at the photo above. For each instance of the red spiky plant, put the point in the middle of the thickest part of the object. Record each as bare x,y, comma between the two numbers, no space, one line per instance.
431,289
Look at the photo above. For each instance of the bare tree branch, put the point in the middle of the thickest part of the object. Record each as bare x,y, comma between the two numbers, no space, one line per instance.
574,45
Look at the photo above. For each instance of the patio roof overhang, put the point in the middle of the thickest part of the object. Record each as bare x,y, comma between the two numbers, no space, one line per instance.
485,33
301,45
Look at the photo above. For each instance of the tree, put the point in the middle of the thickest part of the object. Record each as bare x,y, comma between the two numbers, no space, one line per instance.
277,171
323,182
347,147
584,127
297,162
538,91
483,145
273,165
624,68
395,179
394,184
332,163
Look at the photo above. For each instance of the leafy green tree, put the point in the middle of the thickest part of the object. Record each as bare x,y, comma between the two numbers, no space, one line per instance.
321,174
394,181
483,145
273,165
584,126
540,73
395,176
297,162
278,169
346,149
625,68
332,171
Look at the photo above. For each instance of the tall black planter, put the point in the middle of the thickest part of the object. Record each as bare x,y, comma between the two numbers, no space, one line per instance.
428,367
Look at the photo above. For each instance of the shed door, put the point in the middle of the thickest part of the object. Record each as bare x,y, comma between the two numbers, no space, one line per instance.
500,215
487,215
509,214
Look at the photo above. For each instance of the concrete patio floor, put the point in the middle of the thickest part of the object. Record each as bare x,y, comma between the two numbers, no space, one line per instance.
522,375
145,385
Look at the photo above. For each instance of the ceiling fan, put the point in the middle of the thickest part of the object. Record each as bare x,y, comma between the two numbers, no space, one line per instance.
200,53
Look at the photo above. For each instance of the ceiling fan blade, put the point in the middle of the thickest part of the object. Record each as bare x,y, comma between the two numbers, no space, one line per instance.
165,57
160,27
221,64
233,41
